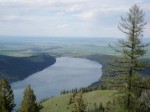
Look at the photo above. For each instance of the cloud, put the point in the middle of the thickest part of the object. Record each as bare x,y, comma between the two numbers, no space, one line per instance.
85,15
63,26
16,18
73,8
82,17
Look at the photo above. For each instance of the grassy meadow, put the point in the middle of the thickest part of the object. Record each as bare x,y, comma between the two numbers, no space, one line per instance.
60,103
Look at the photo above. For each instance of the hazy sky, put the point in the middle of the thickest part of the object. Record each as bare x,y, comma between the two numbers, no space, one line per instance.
66,18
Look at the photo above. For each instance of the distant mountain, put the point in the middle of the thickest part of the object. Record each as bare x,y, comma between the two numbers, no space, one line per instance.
18,68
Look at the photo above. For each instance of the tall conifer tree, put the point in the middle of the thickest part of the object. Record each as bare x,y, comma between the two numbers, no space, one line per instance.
80,105
126,68
29,103
6,97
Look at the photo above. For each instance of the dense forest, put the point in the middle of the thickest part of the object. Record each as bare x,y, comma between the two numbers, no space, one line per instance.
18,68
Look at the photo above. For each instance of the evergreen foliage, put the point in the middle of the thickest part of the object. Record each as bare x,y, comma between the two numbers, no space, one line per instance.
97,108
6,97
80,105
125,70
29,103
18,68
77,90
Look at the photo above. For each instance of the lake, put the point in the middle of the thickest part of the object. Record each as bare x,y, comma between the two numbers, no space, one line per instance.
66,73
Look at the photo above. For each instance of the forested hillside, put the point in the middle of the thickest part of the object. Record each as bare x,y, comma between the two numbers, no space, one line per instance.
105,60
18,68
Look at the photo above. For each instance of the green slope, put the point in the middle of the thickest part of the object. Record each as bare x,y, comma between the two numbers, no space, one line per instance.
60,103
18,68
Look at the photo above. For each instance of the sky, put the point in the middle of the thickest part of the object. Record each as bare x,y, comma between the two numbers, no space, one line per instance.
67,18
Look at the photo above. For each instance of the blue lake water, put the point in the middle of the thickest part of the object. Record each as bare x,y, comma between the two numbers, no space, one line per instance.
66,73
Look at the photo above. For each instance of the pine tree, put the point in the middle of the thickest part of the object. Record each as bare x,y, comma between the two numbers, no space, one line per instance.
29,103
126,68
97,108
80,105
6,97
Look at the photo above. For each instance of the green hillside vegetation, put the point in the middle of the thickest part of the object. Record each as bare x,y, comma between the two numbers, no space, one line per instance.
105,60
61,103
18,68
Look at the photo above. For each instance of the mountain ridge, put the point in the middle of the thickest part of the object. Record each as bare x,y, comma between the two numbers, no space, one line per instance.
18,68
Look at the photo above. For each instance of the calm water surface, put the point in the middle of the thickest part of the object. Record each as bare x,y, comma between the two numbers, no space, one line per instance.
66,73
